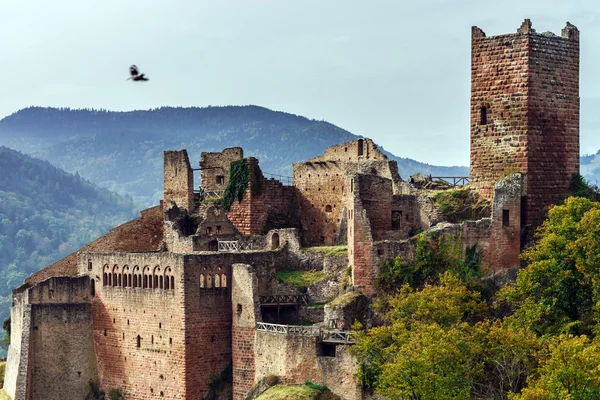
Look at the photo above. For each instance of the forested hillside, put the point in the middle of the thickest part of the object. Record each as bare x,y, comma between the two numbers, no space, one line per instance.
46,214
123,151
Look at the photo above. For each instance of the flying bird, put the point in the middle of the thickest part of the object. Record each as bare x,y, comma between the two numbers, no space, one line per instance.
135,75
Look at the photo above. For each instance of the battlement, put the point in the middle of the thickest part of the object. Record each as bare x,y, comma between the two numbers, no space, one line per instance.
569,32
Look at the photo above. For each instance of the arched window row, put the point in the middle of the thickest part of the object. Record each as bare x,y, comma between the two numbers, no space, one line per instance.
136,277
213,281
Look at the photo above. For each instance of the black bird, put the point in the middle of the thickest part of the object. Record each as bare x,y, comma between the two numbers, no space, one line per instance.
135,75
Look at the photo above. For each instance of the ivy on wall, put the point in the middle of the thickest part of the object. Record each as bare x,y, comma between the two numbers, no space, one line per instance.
238,183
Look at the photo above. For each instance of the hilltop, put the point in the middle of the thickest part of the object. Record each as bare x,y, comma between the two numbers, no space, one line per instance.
123,151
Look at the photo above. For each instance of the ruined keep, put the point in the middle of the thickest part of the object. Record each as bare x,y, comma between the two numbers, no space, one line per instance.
525,112
188,300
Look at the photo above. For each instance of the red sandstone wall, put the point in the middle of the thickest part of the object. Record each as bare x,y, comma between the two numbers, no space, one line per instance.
207,325
499,82
270,205
157,315
553,135
529,83
320,192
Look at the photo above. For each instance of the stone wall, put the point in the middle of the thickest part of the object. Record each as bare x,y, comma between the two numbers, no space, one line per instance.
245,310
359,149
62,356
295,359
214,167
369,205
139,330
178,180
267,204
525,112
553,119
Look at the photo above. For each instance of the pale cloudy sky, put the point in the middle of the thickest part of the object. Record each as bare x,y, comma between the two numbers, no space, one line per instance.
393,70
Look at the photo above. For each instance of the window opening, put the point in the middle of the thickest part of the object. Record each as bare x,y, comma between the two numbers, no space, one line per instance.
483,116
505,218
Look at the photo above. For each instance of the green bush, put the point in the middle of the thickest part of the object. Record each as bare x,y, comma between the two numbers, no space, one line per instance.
314,386
582,188
237,185
116,394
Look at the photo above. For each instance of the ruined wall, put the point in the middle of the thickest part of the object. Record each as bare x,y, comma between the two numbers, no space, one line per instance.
267,204
245,311
525,112
369,205
359,149
505,230
141,234
321,188
214,167
62,356
295,359
321,184
133,300
178,180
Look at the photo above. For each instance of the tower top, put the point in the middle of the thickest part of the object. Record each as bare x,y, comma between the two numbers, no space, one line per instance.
569,32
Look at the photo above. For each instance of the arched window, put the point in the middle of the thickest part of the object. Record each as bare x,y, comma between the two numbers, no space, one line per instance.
224,280
105,279
135,281
147,277
328,208
202,281
119,280
483,116
166,283
126,281
129,283
217,281
156,273
172,282
361,147
209,281
160,282
155,282
275,241
138,341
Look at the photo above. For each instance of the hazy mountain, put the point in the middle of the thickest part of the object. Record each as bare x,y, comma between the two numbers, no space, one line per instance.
123,151
46,214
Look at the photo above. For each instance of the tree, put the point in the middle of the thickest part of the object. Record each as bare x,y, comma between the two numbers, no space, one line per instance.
557,291
569,370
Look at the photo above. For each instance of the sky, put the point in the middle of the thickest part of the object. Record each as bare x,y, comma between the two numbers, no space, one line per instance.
393,70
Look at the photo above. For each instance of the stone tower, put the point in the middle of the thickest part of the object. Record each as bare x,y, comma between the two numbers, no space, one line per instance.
525,113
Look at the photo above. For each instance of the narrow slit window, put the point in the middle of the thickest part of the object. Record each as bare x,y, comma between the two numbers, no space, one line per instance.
483,116
505,218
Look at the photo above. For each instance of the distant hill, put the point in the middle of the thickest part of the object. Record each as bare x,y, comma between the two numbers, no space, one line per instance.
46,214
123,151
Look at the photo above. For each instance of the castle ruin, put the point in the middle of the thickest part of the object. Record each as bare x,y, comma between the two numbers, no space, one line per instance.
172,303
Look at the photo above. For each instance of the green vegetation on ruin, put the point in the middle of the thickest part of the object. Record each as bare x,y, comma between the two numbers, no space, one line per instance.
459,205
329,251
2,372
300,279
239,175
308,391
344,299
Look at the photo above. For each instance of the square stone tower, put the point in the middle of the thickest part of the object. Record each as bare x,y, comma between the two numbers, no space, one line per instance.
525,113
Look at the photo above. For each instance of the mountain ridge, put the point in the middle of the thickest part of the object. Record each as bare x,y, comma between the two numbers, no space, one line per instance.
92,142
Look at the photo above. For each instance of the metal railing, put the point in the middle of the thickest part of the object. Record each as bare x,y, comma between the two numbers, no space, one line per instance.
325,335
213,194
283,299
230,246
286,180
289,329
453,181
341,337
